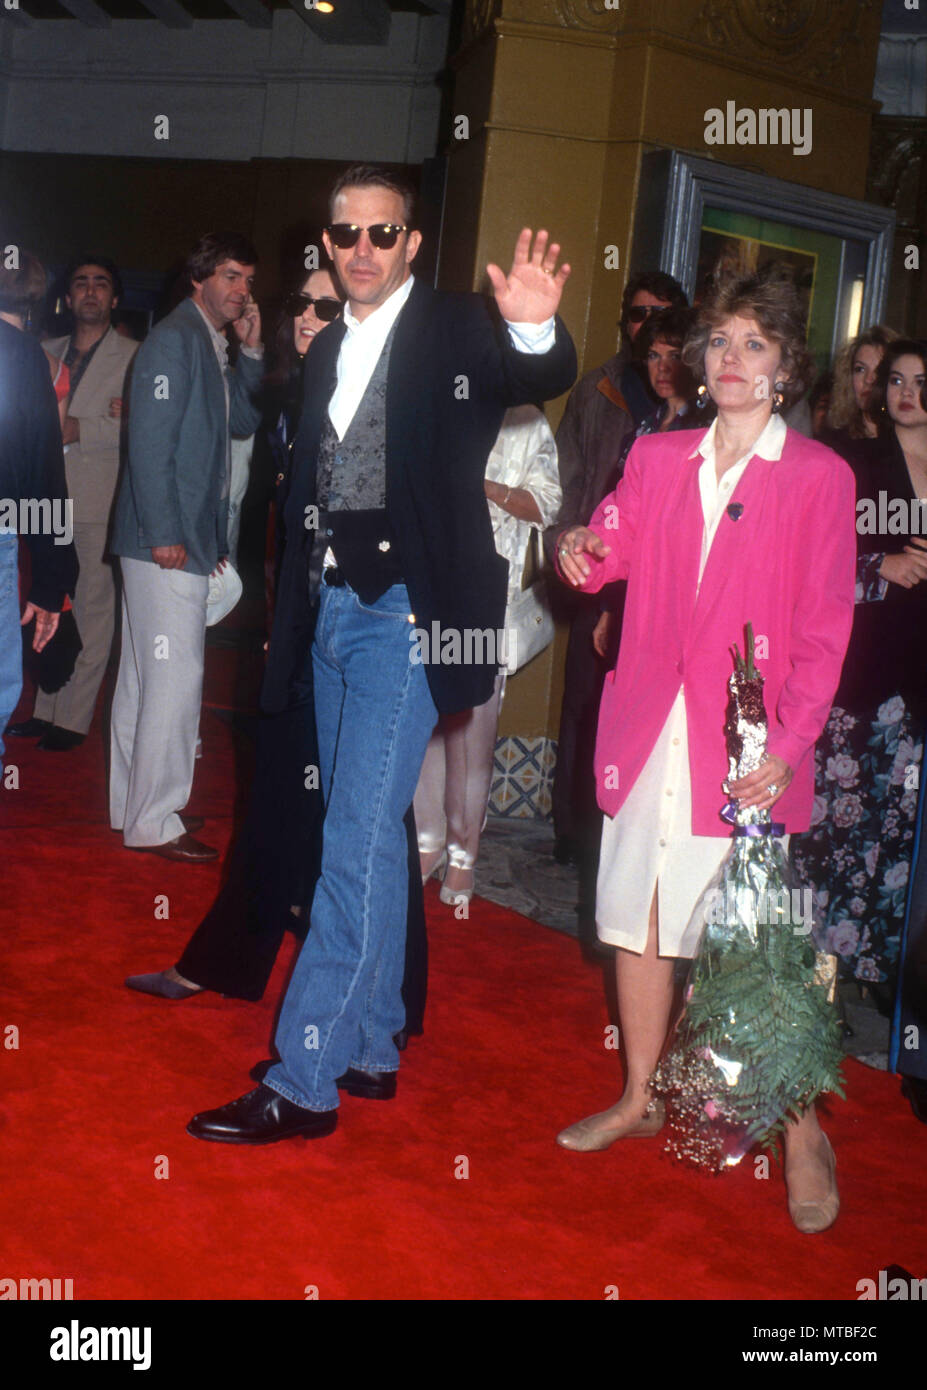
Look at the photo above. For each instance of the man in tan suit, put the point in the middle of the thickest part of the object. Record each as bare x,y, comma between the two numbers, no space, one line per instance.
97,358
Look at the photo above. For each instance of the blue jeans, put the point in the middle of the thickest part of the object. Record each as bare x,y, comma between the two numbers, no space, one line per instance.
374,715
11,651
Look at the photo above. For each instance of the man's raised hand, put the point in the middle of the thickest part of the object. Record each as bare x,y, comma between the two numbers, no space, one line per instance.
248,327
531,291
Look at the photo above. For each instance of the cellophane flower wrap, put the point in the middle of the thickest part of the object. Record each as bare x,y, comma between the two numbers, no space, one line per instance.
759,1039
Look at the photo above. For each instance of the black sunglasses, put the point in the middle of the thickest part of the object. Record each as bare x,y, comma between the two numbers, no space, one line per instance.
641,311
326,308
383,235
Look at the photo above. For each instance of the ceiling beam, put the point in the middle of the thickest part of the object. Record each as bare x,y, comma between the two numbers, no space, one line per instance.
170,12
254,13
88,12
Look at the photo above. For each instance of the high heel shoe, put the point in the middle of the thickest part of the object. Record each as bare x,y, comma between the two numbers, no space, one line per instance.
437,865
811,1217
462,863
588,1137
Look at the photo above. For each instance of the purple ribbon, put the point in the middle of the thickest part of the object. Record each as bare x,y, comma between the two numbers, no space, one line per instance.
754,832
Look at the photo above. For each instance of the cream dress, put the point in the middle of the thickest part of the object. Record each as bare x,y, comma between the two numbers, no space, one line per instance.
649,844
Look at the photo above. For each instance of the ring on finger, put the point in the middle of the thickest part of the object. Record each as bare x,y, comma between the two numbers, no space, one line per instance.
773,789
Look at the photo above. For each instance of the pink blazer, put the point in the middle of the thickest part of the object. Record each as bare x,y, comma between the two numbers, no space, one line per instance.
787,565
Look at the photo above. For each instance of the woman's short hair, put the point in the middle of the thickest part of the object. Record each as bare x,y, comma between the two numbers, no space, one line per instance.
22,289
898,347
666,326
844,413
769,297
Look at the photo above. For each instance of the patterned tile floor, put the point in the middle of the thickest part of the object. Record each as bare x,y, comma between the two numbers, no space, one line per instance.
516,869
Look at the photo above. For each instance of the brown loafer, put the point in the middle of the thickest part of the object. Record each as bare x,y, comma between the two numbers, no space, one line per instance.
185,849
192,824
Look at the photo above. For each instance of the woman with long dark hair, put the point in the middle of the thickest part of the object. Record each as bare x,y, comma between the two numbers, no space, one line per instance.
274,864
858,851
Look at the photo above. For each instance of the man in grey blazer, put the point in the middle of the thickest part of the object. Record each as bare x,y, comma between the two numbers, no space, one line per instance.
97,358
170,531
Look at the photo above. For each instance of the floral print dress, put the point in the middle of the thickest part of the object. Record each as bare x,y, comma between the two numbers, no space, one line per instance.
856,857
857,854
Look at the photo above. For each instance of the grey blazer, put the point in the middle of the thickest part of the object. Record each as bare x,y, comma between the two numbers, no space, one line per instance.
92,464
171,490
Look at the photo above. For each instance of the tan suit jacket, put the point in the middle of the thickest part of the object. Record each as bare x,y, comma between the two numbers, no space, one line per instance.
92,464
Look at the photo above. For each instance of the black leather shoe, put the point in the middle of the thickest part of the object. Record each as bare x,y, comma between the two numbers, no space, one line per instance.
56,740
184,849
261,1117
29,728
369,1085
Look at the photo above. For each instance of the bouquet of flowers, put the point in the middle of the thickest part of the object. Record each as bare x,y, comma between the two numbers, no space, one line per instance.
759,1039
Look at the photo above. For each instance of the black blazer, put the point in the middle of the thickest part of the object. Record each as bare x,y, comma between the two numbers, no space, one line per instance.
453,372
32,459
886,652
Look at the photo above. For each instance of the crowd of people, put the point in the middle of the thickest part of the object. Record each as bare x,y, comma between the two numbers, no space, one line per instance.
745,492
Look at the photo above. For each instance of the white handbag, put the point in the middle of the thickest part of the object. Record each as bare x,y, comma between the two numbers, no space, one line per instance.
529,623
224,592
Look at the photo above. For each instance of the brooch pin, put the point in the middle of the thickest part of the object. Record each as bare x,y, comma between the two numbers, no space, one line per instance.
384,545
735,511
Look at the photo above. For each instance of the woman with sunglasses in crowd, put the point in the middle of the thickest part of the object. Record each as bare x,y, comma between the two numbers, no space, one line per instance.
275,861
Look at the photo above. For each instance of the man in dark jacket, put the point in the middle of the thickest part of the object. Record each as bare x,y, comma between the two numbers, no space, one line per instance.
400,590
33,504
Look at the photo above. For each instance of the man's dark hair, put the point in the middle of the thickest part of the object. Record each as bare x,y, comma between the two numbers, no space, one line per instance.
657,283
104,262
375,176
214,248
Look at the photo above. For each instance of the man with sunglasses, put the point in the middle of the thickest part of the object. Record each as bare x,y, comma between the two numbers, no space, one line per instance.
404,397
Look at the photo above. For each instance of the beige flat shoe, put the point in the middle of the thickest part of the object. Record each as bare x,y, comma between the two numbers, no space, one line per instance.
811,1217
587,1136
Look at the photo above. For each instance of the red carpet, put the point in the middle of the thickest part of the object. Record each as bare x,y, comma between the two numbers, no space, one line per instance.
98,1093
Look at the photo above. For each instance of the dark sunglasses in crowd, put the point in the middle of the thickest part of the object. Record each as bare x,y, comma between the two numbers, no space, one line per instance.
326,308
640,311
383,235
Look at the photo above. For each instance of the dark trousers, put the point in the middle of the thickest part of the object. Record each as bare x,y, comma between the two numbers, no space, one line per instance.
274,866
575,809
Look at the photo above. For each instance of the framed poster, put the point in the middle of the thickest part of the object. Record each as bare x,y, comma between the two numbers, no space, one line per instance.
693,212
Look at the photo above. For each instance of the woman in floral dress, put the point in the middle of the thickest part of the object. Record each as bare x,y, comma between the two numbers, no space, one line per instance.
857,853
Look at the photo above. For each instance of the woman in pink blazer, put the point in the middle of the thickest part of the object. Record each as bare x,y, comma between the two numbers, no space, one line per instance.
745,522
